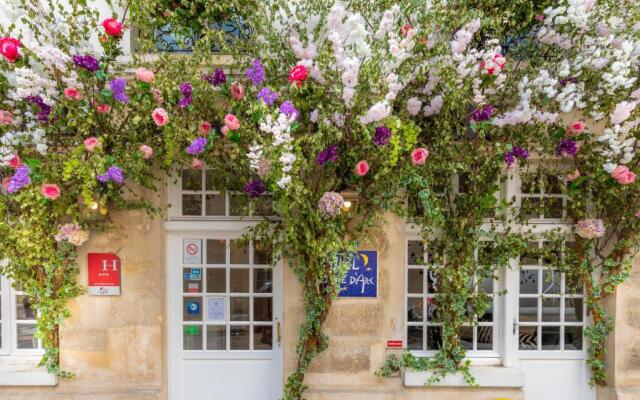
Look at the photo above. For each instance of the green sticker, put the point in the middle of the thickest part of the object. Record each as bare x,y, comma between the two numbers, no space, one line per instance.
191,330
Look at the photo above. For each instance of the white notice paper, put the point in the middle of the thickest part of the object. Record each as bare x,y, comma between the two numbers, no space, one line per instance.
215,309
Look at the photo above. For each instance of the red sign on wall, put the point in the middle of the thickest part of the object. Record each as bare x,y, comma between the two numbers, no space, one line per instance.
394,344
104,274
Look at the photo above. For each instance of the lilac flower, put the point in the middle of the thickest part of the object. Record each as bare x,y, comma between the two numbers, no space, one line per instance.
328,154
115,173
254,188
256,72
45,109
567,148
186,100
197,146
521,153
119,88
509,158
288,109
217,78
87,62
19,179
482,114
382,135
267,96
570,79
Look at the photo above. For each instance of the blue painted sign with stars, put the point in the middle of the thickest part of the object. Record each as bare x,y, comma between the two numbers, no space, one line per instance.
362,277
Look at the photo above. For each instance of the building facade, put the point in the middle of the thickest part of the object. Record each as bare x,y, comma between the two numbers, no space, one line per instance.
202,315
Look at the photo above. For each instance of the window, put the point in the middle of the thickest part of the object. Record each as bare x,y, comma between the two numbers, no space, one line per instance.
423,333
227,303
202,195
540,196
17,322
551,309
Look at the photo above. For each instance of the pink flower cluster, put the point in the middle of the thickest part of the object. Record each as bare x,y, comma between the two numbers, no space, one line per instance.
330,204
590,228
72,233
623,175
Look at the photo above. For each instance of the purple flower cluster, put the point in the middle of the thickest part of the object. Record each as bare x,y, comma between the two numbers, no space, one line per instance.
119,88
113,174
565,81
288,109
267,96
328,154
255,188
87,62
567,148
256,72
45,109
19,179
382,135
482,114
197,146
517,152
217,78
186,100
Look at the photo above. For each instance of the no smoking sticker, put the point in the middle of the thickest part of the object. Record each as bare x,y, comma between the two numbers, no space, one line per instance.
192,251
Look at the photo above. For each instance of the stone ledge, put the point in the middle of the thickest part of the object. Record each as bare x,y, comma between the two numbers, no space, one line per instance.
486,376
24,371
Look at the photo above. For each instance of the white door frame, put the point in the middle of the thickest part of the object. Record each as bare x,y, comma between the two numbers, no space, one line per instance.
176,231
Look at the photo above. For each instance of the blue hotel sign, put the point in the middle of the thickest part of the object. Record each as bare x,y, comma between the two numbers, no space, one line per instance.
362,278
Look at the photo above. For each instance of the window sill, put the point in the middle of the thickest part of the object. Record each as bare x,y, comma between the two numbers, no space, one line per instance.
486,376
24,371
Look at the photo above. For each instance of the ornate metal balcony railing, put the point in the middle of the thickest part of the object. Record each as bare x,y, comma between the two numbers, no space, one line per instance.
168,40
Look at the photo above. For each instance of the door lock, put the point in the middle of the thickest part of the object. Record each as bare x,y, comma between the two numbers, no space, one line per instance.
278,334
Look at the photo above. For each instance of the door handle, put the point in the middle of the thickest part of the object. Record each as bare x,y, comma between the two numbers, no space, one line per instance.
278,334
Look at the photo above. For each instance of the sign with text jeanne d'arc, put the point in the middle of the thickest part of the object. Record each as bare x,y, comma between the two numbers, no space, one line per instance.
104,274
362,277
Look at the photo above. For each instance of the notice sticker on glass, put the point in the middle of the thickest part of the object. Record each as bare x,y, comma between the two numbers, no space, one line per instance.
191,330
216,309
196,274
192,251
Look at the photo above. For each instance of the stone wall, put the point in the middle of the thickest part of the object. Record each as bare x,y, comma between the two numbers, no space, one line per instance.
115,344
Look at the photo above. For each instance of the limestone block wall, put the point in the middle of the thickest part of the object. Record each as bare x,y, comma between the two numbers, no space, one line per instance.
359,329
115,344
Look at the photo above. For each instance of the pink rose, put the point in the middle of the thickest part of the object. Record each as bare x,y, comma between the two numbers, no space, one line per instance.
10,49
91,143
160,116
224,130
362,167
638,214
573,175
112,27
50,191
204,128
103,108
576,128
196,164
232,122
237,90
72,94
6,118
623,175
145,75
419,156
15,161
147,151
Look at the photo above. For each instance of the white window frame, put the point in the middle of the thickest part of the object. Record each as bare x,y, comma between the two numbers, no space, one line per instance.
506,313
175,201
10,323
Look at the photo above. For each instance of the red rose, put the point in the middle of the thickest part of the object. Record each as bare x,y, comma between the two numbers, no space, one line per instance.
15,161
112,27
298,74
10,49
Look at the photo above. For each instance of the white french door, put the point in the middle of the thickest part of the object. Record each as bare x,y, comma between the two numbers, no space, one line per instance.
549,322
225,318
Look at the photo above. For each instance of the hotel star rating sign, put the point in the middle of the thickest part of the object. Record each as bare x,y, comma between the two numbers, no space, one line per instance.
104,274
